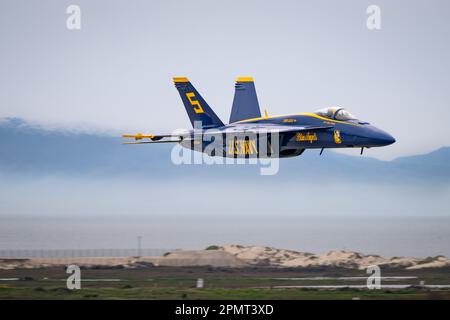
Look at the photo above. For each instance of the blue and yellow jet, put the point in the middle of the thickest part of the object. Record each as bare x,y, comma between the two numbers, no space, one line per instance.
249,133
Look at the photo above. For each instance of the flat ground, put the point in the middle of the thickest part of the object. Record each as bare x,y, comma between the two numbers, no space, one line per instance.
219,283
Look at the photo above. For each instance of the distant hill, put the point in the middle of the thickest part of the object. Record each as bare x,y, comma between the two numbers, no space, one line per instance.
30,150
267,256
238,256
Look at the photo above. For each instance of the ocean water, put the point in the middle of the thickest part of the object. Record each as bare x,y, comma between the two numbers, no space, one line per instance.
419,237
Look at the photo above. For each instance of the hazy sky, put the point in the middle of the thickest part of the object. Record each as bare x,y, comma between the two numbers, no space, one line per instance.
115,73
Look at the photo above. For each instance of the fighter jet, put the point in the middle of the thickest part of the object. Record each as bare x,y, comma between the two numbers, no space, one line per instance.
250,134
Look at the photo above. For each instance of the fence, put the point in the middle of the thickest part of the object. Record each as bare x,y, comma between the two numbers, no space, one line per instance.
80,253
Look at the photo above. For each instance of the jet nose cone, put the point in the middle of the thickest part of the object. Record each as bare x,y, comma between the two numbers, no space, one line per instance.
385,139
377,138
391,140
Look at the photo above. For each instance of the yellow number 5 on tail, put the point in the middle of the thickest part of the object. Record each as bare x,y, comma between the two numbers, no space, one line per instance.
197,107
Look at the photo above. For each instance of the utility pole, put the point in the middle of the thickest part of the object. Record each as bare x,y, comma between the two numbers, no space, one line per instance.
139,246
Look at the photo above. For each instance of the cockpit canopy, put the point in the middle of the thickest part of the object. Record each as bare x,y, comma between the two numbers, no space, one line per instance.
335,113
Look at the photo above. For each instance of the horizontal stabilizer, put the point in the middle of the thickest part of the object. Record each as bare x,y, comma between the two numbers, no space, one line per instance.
145,142
153,137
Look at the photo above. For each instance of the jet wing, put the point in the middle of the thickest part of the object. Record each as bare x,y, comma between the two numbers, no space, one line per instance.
239,129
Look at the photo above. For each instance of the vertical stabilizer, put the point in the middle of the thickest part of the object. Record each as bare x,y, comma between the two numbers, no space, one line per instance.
245,102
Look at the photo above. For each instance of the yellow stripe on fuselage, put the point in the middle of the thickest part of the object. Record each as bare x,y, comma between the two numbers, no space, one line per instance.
313,115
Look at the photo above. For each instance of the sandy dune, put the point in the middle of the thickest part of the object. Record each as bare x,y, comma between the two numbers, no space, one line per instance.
345,259
236,256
